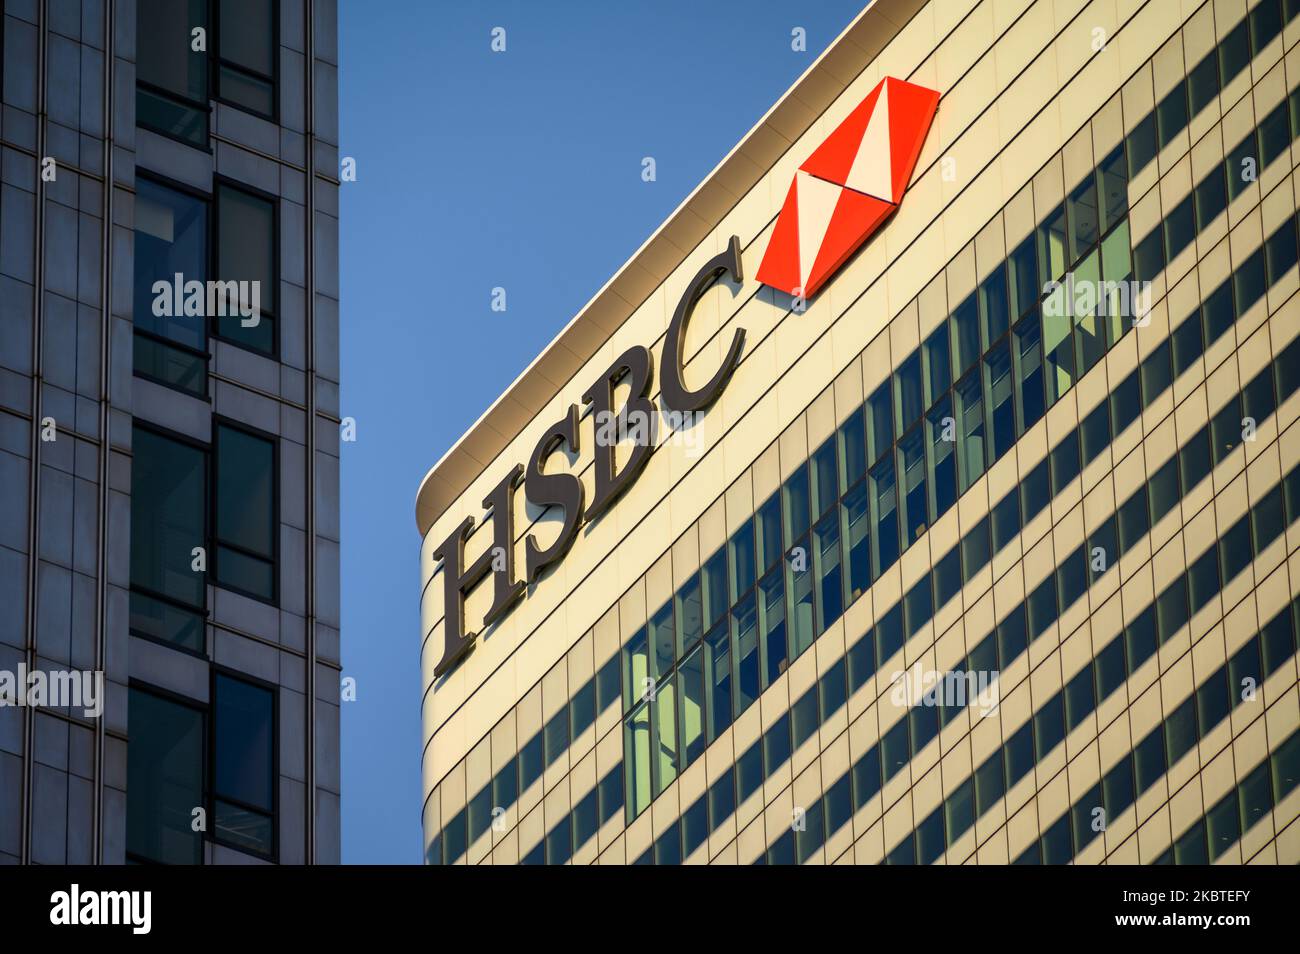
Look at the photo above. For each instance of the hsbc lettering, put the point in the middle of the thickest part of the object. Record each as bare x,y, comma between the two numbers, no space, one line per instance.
841,194
563,489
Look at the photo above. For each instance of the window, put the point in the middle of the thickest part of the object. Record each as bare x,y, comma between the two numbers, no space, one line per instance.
1028,357
168,521
690,699
1082,210
771,604
244,771
1234,53
1211,199
1024,278
247,253
1180,227
171,238
997,384
971,458
247,528
1141,145
909,399
943,459
172,77
248,50
1241,166
165,776
1203,83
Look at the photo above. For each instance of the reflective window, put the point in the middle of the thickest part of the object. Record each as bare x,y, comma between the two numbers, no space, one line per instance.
165,774
245,778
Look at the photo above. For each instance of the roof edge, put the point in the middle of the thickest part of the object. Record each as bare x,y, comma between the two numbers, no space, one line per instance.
670,244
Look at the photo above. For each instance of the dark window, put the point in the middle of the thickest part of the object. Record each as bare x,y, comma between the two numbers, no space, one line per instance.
776,744
1223,824
1079,698
531,762
989,783
1149,759
1082,211
165,775
1180,731
866,777
994,319
880,423
1274,134
1141,145
245,509
1249,282
695,826
1234,53
1180,228
1002,410
1171,609
171,238
1041,605
947,577
1072,577
943,458
1203,83
884,506
168,521
1217,313
1140,638
1049,727
244,772
248,51
1111,671
889,634
794,497
1213,700
1028,356
749,771
722,798
831,690
1188,343
1280,252
1241,166
812,834
918,606
1057,849
862,661
1065,462
1024,278
839,804
804,717
1235,551
1156,374
975,549
895,749
1095,433
1194,461
1244,672
925,726
1265,24
769,552
1114,187
1268,519
1171,114
1225,430
1134,521
1256,793
586,818
965,336
938,370
1277,641
1006,520
853,449
1164,490
555,736
1012,637
1190,848
172,95
1211,199
246,254
908,396
1126,402
930,838
1019,754
668,846
608,687
1203,579
1081,817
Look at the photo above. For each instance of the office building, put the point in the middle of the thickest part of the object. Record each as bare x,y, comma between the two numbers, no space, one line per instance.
979,552
169,429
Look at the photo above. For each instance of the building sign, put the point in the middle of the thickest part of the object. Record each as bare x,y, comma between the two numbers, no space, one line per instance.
840,196
849,185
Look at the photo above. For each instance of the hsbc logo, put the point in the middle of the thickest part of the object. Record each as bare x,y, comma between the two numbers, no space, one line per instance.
848,187
841,194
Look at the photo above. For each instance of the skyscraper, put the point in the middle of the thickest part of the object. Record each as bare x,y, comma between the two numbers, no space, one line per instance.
978,552
169,428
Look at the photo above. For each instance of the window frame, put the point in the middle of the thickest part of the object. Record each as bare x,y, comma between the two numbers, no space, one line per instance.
210,767
218,182
219,421
216,62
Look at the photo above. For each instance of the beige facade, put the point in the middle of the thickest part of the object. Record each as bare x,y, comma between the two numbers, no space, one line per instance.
531,753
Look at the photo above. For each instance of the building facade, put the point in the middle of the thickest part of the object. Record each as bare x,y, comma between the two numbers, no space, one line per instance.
169,430
981,553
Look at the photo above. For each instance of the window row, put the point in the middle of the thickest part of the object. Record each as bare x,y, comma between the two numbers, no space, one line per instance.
1050,723
198,772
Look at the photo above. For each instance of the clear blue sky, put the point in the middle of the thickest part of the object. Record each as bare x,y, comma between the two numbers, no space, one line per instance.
475,170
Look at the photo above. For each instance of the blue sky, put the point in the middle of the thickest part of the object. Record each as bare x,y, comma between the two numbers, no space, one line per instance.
477,170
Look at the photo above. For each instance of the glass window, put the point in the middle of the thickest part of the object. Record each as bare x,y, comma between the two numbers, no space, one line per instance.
1268,519
1163,486
1141,145
1149,759
247,35
1006,520
889,634
1280,252
994,318
1090,329
1194,459
975,549
1113,177
505,785
911,464
1188,344
1277,642
1072,577
1157,375
770,549
582,708
1041,606
829,572
171,238
168,521
1190,848
1081,205
1242,166
1126,402
1180,227
165,767
839,803
1265,24
998,386
668,846
799,583
866,777
247,254
1065,462
804,717
1023,264
938,370
690,604
1203,580
1018,753
532,761
1171,114
884,507
1223,823
1234,53
908,395
969,397
713,576
1217,313
1249,282
1094,433
717,673
1140,638
555,735
1149,256
965,335
1180,731
722,798
637,678
853,450
1274,134
1171,609
586,818
880,423
1110,667
794,495
858,522
1225,430
895,749
245,511
861,659
1036,491
1052,249
1012,637
1256,793
1286,766
742,561
918,606
690,714
989,783
172,95
771,604
663,725
1058,346
776,744
1211,199
1028,355
947,577
930,838
940,429
825,481
663,641
1049,727
1235,551
744,649
244,772
1213,700
1203,83
831,690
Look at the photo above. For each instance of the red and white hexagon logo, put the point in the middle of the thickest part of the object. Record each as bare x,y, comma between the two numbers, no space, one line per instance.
848,187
